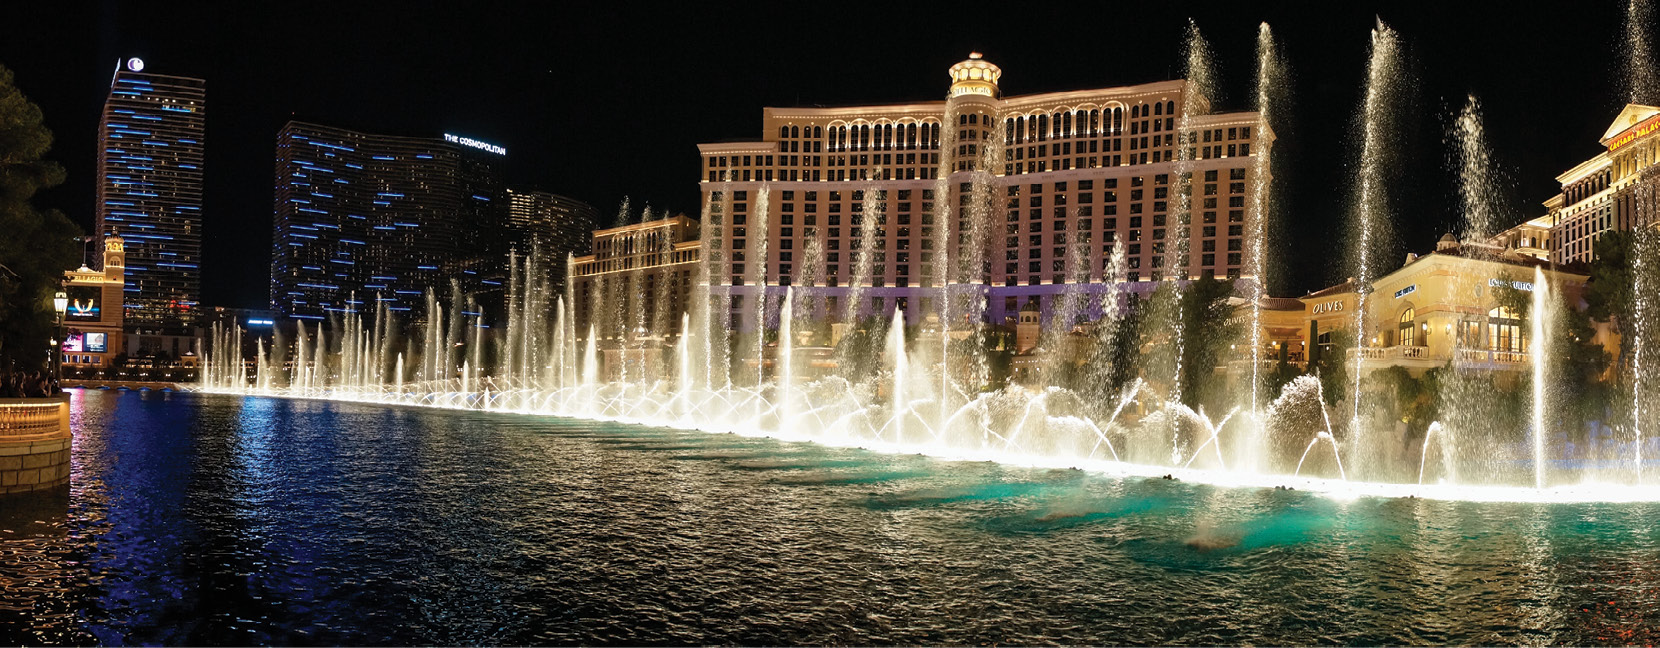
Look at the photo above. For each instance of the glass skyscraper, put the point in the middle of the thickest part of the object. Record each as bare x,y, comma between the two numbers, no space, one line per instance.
361,217
150,143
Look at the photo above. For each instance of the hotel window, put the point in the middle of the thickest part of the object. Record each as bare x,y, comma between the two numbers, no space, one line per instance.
1504,330
1407,329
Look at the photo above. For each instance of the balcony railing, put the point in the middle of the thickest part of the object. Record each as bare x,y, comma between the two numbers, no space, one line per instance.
1494,357
1463,356
1390,353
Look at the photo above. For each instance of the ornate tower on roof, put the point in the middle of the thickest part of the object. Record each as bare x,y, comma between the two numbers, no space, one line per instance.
975,76
971,110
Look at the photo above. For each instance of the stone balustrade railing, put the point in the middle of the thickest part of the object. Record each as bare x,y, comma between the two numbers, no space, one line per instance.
34,443
1480,356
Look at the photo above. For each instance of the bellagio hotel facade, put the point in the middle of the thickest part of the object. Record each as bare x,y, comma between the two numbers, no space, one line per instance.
1065,170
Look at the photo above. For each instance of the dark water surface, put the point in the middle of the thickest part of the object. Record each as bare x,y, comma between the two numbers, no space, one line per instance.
198,519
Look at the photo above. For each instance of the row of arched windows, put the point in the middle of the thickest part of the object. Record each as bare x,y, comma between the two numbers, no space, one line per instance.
795,132
1153,109
884,137
1074,123
1020,129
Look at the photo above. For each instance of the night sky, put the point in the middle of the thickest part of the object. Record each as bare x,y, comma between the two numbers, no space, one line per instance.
607,100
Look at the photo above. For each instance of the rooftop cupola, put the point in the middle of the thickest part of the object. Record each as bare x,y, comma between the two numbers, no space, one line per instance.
975,76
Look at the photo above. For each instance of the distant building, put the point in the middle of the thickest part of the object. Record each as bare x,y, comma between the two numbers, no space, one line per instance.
1437,308
150,164
1093,167
1614,191
556,225
1529,239
95,317
361,217
639,274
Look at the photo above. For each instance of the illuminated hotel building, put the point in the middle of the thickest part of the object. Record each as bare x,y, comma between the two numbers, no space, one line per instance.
360,217
1095,167
150,141
94,318
1613,191
637,274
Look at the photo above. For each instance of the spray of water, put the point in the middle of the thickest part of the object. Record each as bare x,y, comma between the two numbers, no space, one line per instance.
1269,86
1383,81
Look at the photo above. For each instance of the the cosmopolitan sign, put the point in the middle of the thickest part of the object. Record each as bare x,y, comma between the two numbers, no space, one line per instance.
473,143
1647,126
1406,291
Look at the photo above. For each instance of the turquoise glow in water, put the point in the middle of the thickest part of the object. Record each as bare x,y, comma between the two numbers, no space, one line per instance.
217,519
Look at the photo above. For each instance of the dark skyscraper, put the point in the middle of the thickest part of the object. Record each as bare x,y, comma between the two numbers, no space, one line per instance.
551,223
360,216
150,142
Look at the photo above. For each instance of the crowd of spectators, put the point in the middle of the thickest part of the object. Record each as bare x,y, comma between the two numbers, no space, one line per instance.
27,384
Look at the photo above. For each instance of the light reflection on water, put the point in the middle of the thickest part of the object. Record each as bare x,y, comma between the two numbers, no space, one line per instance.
195,519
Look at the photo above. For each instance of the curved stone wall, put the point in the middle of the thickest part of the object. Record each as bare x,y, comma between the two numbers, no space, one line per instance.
34,443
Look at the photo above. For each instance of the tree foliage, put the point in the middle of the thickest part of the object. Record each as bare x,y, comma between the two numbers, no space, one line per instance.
1211,330
1608,293
38,245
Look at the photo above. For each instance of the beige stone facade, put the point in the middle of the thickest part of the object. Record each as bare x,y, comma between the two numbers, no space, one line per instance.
1088,167
96,310
1614,191
1436,308
642,271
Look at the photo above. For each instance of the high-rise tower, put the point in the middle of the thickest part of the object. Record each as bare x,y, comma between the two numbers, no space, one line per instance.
361,216
150,143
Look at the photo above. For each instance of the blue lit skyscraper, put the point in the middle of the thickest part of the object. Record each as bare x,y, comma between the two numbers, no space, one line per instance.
150,142
360,216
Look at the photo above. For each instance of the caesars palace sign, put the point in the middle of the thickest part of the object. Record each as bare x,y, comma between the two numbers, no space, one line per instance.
1647,126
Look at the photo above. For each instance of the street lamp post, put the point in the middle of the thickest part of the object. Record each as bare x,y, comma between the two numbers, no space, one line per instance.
60,303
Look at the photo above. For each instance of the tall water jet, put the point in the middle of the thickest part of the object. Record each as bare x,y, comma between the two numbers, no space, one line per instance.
1642,74
683,353
863,257
590,359
1073,302
785,361
1539,344
1371,213
1200,91
1642,88
1645,248
755,315
1467,389
1269,87
943,209
712,306
567,349
900,367
1479,190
